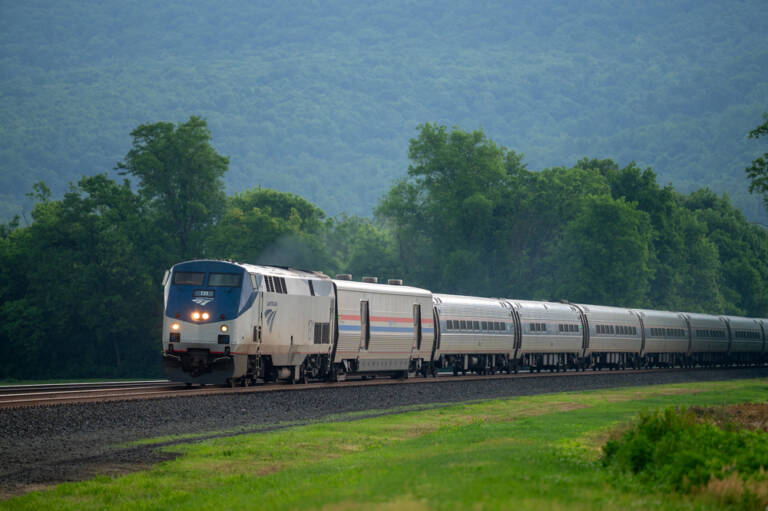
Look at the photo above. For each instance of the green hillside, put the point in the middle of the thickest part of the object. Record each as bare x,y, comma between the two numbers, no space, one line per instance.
321,98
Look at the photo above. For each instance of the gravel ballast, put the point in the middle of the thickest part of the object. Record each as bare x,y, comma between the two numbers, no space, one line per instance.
46,445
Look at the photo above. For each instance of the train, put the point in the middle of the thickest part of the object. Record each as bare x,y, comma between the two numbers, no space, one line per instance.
239,324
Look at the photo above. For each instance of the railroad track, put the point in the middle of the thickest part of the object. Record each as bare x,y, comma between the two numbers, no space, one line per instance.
13,396
19,396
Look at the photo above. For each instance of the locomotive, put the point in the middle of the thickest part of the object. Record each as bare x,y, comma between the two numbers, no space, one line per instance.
235,323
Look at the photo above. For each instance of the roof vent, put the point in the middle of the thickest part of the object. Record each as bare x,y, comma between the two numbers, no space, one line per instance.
395,282
344,276
371,280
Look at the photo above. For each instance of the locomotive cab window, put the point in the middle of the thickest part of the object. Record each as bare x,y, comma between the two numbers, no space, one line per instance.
188,278
225,279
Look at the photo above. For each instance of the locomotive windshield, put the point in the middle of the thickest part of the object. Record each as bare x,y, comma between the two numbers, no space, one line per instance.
188,278
225,279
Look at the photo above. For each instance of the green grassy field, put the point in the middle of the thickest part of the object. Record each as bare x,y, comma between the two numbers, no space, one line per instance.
537,452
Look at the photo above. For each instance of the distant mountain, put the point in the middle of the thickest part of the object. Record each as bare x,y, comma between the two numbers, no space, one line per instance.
321,98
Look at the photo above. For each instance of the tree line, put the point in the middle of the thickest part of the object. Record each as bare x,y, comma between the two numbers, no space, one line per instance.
80,292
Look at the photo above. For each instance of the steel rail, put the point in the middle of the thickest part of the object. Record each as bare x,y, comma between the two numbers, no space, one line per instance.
37,387
164,389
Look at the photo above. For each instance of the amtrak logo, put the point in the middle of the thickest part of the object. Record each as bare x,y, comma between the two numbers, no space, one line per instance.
269,315
202,302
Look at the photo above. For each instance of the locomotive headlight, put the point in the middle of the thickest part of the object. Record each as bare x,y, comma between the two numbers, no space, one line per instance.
195,315
206,315
224,328
175,327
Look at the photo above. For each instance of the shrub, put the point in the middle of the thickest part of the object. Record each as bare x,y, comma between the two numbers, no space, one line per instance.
684,450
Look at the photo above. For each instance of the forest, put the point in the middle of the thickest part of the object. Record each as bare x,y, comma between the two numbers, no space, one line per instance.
80,285
321,98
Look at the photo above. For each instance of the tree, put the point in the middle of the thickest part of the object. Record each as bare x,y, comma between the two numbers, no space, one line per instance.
604,257
179,175
362,248
450,208
82,275
758,171
270,227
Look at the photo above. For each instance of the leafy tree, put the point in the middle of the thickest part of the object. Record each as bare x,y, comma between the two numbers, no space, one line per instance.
450,207
271,227
604,256
82,300
471,218
179,175
758,171
742,250
361,247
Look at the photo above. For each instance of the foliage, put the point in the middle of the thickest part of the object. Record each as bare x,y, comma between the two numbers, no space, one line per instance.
267,226
320,99
471,218
673,449
758,171
79,297
179,176
604,254
80,289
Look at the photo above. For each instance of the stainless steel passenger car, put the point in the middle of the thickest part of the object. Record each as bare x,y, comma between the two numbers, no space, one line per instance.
710,338
615,336
666,337
476,334
383,328
551,336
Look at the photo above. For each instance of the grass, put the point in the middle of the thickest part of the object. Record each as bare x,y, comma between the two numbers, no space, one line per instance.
539,452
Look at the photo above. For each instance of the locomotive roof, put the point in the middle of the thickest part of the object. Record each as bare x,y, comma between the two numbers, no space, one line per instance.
281,271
